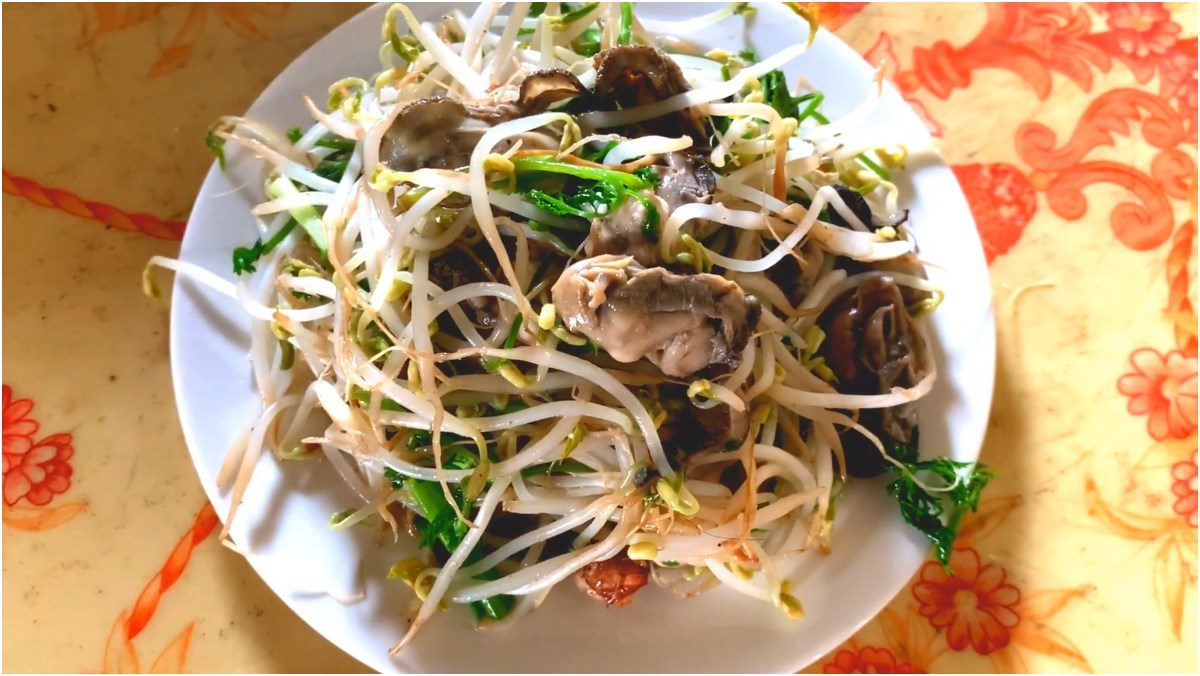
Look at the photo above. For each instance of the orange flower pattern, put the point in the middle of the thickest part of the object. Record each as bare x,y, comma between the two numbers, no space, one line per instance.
1184,488
33,471
868,660
39,471
1003,202
973,603
1162,387
19,427
249,19
1142,28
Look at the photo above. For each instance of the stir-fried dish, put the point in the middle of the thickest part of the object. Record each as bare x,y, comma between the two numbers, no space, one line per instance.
564,296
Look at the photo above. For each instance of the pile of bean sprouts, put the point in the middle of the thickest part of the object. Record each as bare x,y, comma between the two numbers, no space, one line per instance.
327,393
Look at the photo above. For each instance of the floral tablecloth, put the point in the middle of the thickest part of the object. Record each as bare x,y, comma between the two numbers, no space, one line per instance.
1072,128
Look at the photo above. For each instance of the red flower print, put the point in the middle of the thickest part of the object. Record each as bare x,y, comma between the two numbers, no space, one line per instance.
40,473
1002,200
1163,387
1036,29
1179,75
1184,488
868,661
973,604
33,471
18,425
1141,28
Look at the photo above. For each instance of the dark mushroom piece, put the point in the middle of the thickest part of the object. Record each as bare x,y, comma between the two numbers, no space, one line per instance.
543,88
872,344
637,75
856,203
428,133
796,276
680,323
456,266
690,429
440,133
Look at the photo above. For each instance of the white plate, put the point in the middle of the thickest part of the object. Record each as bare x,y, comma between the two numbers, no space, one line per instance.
284,517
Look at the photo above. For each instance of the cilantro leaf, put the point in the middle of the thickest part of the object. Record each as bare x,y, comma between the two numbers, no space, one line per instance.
555,205
443,527
776,94
587,201
245,259
938,515
649,175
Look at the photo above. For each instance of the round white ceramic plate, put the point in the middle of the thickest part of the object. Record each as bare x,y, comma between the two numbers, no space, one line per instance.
283,520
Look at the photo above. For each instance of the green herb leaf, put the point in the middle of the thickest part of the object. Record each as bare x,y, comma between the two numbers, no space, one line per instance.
217,145
444,527
588,201
294,135
625,35
331,169
554,205
776,94
874,166
748,55
419,439
588,42
363,397
245,259
649,175
566,466
813,100
536,9
307,215
599,155
938,515
511,407
336,143
544,163
572,15
510,341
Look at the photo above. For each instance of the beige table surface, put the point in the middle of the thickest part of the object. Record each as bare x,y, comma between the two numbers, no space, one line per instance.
1071,127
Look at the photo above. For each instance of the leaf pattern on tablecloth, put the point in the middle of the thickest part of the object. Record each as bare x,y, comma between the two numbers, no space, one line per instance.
120,653
1082,43
972,607
250,20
